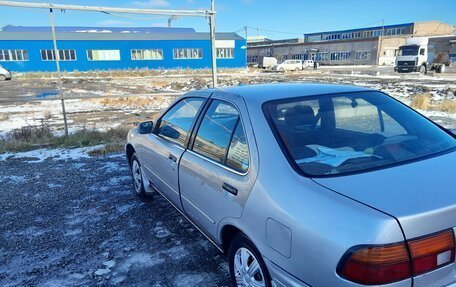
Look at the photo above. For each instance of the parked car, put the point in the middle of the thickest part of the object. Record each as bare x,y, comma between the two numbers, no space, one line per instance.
308,64
289,65
307,184
4,74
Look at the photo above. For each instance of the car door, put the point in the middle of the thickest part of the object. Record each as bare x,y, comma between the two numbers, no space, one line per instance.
217,172
164,147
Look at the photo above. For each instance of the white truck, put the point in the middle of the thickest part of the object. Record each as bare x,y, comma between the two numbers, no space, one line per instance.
423,54
267,62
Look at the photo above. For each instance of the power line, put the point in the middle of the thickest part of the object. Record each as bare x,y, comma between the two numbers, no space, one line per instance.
270,31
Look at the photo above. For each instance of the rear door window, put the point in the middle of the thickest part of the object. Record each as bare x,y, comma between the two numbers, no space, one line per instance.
221,137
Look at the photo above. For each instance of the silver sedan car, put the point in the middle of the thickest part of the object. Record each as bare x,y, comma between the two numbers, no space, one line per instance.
307,185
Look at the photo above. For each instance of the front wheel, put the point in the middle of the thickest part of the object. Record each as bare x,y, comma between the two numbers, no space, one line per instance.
2,78
247,267
423,69
136,173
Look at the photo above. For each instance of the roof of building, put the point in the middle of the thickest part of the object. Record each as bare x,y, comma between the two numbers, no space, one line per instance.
115,36
74,29
362,29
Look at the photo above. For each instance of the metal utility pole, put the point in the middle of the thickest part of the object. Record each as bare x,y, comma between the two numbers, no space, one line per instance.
59,76
213,48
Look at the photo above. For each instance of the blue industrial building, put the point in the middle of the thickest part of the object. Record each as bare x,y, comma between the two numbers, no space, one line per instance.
27,49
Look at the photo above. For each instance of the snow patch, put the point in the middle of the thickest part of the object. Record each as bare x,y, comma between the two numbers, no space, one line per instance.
56,154
13,178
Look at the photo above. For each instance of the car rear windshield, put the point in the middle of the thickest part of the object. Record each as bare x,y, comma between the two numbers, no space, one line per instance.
348,133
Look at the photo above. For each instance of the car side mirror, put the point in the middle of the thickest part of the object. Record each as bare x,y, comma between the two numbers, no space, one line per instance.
145,127
170,132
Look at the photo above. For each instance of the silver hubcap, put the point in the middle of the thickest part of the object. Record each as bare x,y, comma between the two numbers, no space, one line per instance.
137,177
247,269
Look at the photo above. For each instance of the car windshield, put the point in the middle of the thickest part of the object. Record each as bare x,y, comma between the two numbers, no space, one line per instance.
345,133
408,51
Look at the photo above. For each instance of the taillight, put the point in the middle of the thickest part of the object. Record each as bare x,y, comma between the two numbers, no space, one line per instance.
376,265
432,252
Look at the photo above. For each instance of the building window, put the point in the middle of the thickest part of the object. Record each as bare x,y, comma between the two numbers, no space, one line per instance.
299,57
367,34
13,55
377,33
340,56
355,35
345,36
252,59
189,53
331,37
64,55
362,55
103,55
225,53
314,38
323,56
146,54
395,31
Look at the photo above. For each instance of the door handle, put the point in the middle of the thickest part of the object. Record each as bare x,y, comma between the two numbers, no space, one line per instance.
172,157
231,189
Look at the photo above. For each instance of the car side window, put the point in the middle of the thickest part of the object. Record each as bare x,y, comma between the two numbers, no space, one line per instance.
238,153
176,123
221,137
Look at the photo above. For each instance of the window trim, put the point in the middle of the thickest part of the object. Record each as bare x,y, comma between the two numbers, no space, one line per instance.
201,58
294,165
198,125
28,55
225,57
60,59
162,53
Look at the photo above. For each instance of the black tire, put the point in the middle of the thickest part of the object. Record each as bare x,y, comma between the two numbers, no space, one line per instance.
138,182
241,241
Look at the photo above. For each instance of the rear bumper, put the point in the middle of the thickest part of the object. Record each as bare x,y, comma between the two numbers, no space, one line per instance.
281,278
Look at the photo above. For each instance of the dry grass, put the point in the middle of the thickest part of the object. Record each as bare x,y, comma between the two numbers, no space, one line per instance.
134,102
29,138
4,117
47,115
123,73
448,106
421,101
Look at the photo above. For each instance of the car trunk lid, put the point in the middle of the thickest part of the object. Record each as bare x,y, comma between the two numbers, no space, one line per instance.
421,195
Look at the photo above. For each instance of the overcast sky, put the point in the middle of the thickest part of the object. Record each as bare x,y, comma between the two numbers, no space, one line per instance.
291,17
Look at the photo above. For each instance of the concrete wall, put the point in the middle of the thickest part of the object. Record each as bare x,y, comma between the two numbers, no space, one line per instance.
432,28
388,49
279,51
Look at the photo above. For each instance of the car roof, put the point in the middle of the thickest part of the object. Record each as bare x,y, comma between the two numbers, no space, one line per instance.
258,94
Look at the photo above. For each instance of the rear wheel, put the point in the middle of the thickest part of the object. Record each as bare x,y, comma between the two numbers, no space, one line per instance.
136,173
441,69
247,267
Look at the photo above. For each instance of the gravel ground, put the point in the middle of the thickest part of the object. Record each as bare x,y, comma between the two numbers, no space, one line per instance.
79,223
